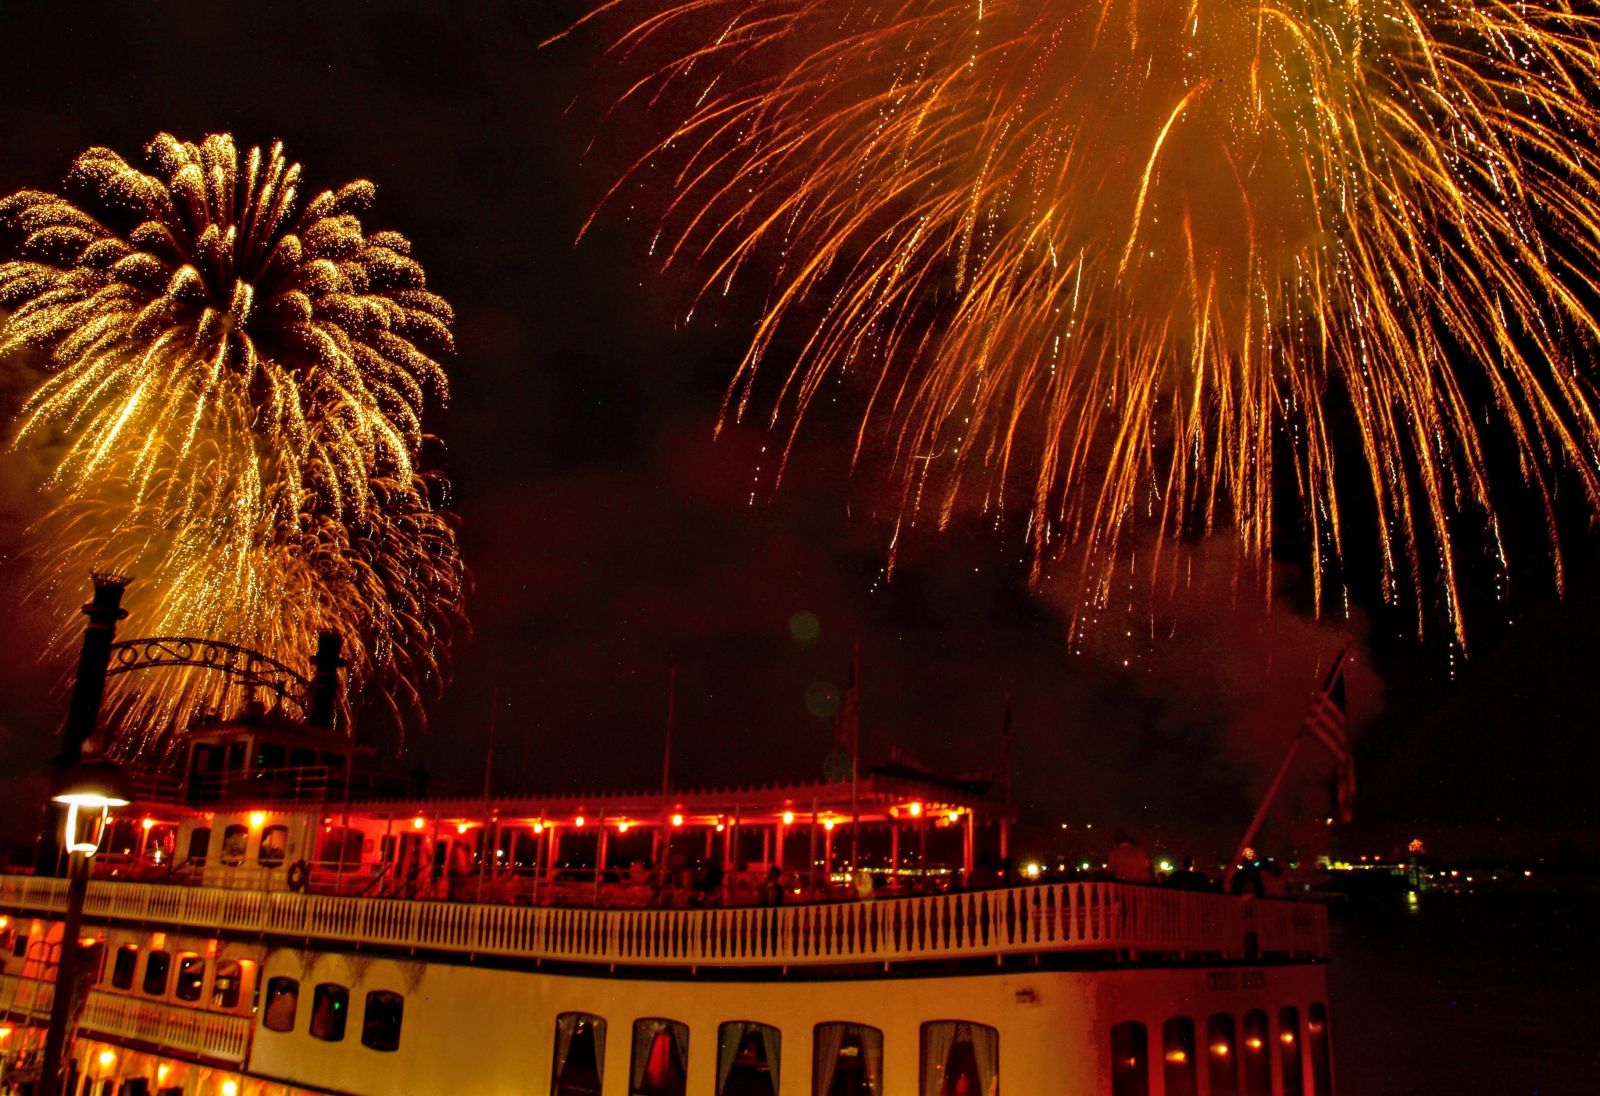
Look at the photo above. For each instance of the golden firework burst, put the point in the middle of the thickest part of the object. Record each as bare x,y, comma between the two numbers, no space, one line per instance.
1129,262
236,392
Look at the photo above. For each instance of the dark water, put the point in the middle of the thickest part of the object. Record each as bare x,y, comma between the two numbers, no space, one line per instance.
1481,994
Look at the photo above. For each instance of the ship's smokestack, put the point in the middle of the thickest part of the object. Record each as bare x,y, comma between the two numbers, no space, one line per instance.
83,716
325,680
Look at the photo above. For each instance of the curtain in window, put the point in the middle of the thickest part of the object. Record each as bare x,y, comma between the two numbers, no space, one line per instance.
848,1060
660,1056
960,1059
580,1054
747,1059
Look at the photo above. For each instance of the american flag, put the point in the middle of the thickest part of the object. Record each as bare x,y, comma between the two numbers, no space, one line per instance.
1326,721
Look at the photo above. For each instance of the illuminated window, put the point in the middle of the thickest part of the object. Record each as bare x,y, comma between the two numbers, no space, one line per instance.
660,1058
191,978
580,1055
283,1000
1130,1061
1256,1055
330,1008
1317,1049
1222,1055
122,967
1177,1056
225,986
847,1060
274,846
747,1059
234,840
1289,1050
959,1059
156,966
380,1027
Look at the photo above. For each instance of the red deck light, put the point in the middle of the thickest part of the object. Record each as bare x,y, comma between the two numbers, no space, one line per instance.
677,820
788,818
418,822
147,822
461,827
915,810
578,821
622,827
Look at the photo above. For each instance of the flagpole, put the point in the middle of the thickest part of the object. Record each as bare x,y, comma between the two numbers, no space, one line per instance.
1261,811
488,773
1277,780
855,764
1005,776
666,773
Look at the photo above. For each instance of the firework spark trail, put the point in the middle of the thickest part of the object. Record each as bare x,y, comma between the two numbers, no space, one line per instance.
1115,254
236,392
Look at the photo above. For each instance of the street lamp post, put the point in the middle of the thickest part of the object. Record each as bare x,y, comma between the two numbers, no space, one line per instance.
87,790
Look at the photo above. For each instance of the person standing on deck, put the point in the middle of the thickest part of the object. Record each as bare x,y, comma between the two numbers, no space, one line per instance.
1128,863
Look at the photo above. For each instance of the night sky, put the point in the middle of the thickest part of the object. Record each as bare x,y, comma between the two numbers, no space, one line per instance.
611,536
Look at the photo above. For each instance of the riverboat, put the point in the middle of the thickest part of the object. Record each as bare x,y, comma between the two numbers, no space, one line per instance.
266,921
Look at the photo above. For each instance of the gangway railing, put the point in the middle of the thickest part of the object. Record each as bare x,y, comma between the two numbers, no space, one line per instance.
1056,917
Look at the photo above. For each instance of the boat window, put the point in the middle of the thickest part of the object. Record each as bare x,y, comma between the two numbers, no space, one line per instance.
747,1059
134,1086
199,843
122,967
1177,1056
1130,1060
380,1027
191,978
960,1059
1257,1064
156,966
660,1058
339,847
847,1060
270,755
225,986
234,840
283,998
1289,1050
1222,1055
1317,1048
580,1055
330,1008
274,846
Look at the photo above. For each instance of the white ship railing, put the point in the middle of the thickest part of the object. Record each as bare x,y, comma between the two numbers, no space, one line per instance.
1057,917
212,1035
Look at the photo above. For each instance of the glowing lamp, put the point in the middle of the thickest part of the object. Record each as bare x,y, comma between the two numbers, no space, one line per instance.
5,1033
107,1058
1287,1037
1221,1050
915,810
538,827
89,789
788,818
230,1088
720,827
257,818
622,827
1177,1057
461,827
953,816
418,822
677,820
828,824
1253,1043
162,1071
147,823
578,821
